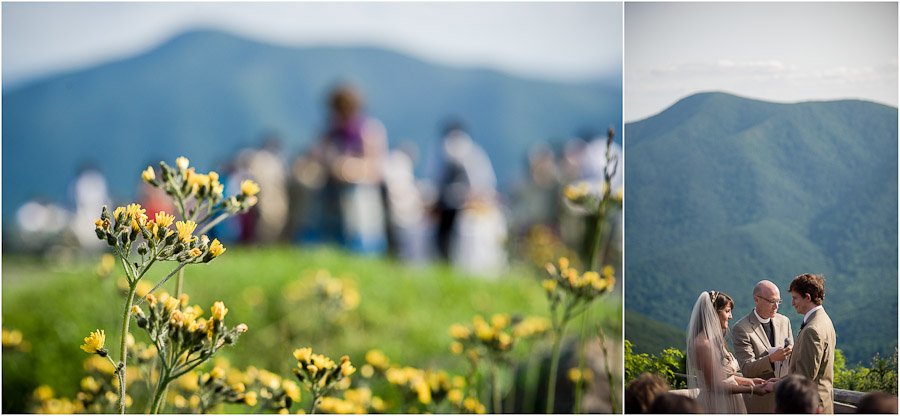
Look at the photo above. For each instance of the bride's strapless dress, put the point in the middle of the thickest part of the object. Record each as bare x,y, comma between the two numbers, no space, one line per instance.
734,402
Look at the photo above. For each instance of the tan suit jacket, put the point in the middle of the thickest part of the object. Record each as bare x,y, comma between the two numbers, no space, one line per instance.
813,356
751,348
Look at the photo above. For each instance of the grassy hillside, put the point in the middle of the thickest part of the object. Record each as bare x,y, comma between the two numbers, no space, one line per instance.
404,311
725,191
648,336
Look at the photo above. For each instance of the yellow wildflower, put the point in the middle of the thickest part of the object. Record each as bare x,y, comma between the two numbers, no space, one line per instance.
458,331
549,284
218,311
198,179
217,373
249,188
182,163
291,389
90,385
608,271
93,344
137,215
216,248
164,220
303,354
136,310
456,347
149,175
195,252
185,228
347,369
250,398
455,396
563,263
423,391
500,320
170,302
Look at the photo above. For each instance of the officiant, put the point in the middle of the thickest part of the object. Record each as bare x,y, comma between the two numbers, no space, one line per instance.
762,343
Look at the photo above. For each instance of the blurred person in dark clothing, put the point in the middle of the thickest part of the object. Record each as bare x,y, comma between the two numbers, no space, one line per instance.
877,402
643,391
462,173
671,403
352,150
796,394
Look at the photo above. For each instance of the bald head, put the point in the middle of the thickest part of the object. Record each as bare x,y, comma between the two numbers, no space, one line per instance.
764,294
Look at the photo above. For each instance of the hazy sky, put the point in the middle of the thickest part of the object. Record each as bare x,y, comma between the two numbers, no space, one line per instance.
783,52
550,41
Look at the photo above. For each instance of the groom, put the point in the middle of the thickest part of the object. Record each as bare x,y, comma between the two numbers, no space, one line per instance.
813,355
758,340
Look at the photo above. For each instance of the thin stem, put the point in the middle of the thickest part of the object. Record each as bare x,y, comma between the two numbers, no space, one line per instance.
554,360
178,283
609,375
161,387
578,383
172,273
126,320
312,408
213,223
554,365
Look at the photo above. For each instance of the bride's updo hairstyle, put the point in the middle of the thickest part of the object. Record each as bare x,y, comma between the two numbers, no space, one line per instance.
720,300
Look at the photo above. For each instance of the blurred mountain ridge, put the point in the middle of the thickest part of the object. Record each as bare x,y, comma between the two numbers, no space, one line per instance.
206,94
724,191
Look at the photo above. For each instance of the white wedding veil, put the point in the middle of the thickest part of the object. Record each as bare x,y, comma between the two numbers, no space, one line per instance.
708,376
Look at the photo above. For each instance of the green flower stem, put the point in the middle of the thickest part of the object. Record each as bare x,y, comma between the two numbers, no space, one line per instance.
213,223
126,320
178,283
312,408
559,330
161,386
609,376
578,384
161,282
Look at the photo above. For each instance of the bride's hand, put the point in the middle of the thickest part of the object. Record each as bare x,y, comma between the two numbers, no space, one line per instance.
761,390
757,381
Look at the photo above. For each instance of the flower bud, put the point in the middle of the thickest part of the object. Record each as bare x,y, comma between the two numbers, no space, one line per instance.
142,249
104,214
100,233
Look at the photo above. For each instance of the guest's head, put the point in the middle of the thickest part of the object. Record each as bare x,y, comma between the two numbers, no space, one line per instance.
807,292
877,402
345,102
796,394
723,305
767,297
675,403
642,391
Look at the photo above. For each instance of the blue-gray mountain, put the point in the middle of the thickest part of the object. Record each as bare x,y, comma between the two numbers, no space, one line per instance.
724,191
206,94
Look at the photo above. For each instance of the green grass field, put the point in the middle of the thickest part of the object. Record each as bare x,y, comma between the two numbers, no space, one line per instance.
404,310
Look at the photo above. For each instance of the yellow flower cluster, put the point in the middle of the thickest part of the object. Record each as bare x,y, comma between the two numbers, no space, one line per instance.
589,197
185,327
335,296
587,285
498,335
13,340
355,401
318,372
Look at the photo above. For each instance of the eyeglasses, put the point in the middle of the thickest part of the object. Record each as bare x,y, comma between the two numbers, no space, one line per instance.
774,302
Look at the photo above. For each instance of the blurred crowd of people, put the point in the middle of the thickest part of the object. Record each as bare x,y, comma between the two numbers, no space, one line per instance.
350,188
794,394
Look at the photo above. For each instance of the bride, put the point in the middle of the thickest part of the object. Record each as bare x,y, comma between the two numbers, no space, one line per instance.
711,367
